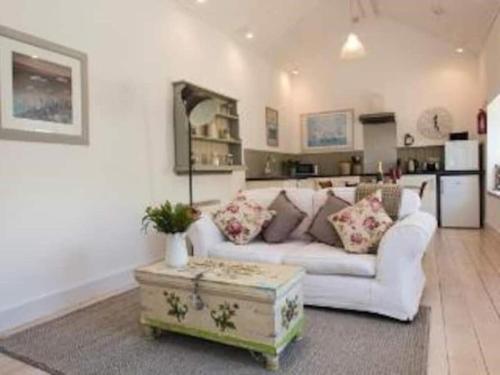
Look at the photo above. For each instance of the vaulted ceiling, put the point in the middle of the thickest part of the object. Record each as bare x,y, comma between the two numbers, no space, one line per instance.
274,23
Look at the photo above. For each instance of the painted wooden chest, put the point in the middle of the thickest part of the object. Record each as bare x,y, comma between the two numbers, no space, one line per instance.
249,305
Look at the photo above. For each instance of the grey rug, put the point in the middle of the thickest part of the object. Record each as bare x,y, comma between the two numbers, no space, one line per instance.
106,339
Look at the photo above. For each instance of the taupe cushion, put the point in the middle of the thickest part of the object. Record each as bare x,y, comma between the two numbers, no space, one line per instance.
321,229
287,218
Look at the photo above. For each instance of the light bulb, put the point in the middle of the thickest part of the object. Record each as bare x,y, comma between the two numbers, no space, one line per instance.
352,48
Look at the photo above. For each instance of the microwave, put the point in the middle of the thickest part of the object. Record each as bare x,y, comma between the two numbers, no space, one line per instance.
304,170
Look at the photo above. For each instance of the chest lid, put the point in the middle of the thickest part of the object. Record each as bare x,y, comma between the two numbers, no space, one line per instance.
223,272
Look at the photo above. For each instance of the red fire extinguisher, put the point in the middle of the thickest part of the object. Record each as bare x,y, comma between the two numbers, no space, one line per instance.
482,122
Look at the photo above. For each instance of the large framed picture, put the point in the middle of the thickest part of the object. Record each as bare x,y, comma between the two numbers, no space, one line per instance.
43,90
328,131
272,127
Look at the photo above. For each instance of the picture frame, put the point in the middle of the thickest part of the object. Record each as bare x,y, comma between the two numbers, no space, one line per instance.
43,90
327,131
272,127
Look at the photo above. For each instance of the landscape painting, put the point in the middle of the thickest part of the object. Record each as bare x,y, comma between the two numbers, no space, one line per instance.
327,131
44,90
41,90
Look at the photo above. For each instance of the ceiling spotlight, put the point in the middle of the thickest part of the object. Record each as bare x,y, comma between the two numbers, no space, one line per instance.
34,57
295,72
459,50
249,35
201,1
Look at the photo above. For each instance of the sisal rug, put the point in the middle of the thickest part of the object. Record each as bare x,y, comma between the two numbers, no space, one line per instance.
106,339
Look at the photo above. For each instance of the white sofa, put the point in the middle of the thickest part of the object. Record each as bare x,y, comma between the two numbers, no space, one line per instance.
389,283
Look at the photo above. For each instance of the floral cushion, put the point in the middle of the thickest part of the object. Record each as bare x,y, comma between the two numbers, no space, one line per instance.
362,226
242,220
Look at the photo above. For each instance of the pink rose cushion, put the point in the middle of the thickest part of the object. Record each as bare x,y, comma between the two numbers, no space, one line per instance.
242,220
362,226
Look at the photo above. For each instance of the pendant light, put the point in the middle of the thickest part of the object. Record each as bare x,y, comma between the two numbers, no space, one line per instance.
352,48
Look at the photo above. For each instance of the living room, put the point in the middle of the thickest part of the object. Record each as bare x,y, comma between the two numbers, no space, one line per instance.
400,80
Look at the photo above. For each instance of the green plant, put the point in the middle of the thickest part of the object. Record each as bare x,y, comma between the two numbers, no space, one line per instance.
168,218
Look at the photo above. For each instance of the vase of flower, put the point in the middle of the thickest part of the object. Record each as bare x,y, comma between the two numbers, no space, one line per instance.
174,222
176,254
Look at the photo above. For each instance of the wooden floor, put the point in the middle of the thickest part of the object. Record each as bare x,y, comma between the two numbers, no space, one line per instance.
463,289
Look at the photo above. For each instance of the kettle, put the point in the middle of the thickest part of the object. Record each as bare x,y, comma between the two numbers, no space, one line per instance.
412,165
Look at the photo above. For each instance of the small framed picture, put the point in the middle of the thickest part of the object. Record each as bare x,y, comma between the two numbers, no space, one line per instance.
43,90
272,127
328,131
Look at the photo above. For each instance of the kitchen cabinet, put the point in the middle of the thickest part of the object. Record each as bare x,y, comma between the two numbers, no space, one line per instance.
429,199
310,183
279,183
460,201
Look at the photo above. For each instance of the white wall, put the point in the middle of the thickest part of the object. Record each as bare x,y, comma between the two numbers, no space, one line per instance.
405,70
70,216
490,74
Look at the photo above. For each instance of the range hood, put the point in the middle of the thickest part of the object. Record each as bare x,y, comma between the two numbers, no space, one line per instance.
377,118
380,141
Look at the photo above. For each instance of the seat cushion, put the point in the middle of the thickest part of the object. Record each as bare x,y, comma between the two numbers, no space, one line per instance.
321,259
256,251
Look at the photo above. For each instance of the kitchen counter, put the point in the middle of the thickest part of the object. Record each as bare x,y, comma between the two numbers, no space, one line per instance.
433,173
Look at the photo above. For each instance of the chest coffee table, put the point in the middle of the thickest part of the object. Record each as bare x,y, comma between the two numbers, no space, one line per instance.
254,306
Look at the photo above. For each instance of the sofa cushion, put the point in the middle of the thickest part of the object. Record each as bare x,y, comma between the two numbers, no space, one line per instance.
320,196
242,219
362,226
391,196
321,259
287,218
321,229
410,201
256,251
302,198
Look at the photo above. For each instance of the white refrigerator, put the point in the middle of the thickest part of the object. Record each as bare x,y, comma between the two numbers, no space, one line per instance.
460,186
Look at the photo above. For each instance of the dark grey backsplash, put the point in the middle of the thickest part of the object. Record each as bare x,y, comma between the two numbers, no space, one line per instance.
328,163
422,153
255,162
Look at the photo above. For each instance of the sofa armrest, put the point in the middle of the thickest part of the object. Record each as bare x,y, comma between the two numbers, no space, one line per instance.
403,246
203,235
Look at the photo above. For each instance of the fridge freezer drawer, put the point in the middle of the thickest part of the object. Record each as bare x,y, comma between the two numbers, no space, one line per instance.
460,201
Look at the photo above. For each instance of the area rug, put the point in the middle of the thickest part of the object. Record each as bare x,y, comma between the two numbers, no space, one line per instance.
106,339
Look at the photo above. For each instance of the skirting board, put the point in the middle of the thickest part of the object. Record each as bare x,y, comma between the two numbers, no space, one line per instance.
491,226
58,304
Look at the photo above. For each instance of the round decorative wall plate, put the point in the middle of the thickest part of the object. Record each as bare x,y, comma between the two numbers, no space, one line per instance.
435,123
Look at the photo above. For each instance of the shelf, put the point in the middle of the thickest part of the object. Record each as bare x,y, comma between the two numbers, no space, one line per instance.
226,124
230,117
199,168
216,140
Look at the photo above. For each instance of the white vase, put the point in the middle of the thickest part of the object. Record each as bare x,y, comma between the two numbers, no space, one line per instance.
176,254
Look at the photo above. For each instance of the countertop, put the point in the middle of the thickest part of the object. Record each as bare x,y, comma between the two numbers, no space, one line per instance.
432,173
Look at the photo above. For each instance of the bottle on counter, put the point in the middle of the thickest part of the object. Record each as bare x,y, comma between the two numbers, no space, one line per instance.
380,173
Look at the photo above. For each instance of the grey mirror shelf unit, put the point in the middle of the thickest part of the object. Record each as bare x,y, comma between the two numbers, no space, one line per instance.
216,147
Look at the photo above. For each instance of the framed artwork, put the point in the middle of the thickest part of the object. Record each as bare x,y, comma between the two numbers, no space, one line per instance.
328,131
272,127
43,90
